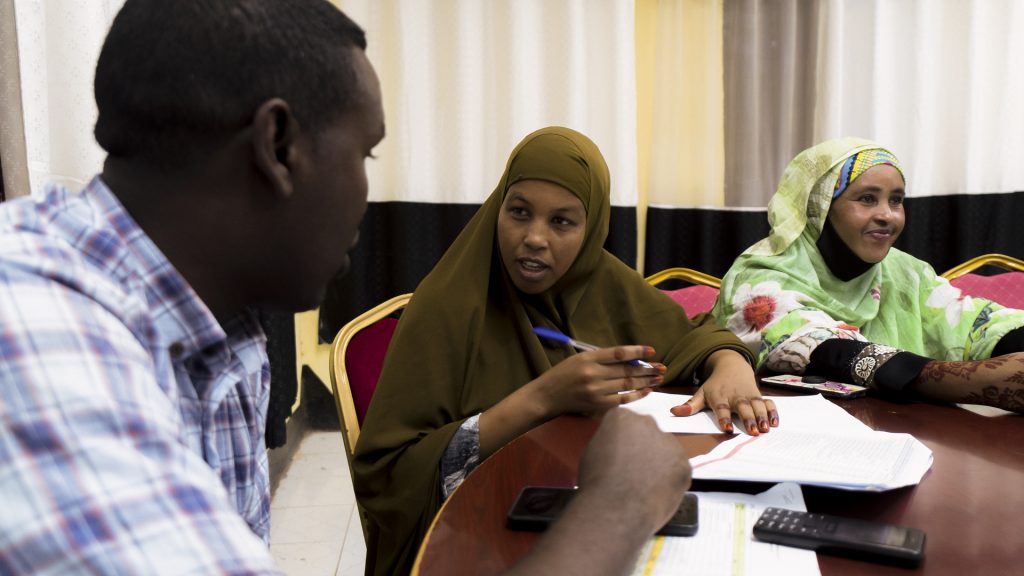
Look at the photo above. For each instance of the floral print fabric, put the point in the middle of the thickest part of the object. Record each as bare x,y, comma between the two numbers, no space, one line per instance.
782,300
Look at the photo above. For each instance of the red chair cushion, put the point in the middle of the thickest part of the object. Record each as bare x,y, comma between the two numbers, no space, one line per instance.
1006,288
364,359
694,299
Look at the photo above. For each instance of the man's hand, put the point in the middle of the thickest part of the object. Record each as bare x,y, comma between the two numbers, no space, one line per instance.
632,478
631,460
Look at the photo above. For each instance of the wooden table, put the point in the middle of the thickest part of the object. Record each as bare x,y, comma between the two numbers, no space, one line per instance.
971,502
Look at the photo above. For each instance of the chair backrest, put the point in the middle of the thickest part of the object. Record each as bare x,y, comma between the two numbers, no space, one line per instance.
1006,288
357,356
696,299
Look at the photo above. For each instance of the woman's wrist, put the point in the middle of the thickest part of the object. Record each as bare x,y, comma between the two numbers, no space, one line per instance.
726,358
518,412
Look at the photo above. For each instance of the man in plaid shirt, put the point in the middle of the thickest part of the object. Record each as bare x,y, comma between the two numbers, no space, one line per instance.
133,376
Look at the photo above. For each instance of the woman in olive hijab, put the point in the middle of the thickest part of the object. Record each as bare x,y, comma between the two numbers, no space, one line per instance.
465,373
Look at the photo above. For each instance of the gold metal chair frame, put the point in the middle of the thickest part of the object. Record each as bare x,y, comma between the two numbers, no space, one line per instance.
1000,260
340,384
339,375
687,274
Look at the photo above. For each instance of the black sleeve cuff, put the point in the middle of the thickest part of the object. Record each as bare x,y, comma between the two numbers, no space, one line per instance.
899,371
1012,341
832,359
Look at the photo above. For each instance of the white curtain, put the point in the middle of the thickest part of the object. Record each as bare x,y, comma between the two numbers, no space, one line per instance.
770,52
12,127
941,83
58,44
465,80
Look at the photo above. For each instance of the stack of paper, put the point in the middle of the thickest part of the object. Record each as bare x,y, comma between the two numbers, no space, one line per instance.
817,443
873,461
725,544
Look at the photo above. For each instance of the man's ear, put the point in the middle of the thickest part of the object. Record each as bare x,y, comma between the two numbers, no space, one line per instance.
275,133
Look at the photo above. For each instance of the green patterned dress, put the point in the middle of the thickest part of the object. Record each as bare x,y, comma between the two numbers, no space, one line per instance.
783,301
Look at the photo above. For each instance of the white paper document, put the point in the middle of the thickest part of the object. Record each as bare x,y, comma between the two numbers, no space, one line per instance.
866,460
724,543
806,413
816,443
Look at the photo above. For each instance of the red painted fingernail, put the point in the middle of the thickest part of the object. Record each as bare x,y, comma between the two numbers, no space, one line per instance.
725,424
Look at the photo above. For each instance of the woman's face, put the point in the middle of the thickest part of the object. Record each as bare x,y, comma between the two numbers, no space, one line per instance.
541,228
868,215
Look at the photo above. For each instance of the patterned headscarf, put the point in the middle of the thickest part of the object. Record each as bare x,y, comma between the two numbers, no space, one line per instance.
859,163
782,299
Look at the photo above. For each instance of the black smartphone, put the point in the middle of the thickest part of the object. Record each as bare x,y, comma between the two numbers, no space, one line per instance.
536,507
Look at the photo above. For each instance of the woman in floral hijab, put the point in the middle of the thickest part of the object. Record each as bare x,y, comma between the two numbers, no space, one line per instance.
826,294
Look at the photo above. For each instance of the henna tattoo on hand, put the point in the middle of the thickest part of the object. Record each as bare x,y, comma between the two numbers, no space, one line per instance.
938,370
995,381
1006,398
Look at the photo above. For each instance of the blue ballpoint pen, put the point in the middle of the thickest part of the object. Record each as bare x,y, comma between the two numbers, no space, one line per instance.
556,336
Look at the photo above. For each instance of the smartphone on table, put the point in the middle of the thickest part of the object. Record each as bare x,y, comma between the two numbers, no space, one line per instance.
537,507
816,384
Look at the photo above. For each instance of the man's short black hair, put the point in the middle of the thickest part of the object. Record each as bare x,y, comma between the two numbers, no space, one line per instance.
175,75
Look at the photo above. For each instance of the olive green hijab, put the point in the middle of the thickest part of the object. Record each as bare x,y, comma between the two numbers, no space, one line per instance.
466,342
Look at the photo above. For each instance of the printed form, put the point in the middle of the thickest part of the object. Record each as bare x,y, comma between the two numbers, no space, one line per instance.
870,461
816,443
724,543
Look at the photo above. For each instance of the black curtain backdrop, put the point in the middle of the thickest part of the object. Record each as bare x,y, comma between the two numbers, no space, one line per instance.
280,330
420,233
941,230
401,241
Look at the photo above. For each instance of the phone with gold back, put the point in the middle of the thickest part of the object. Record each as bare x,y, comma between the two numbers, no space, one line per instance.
818,384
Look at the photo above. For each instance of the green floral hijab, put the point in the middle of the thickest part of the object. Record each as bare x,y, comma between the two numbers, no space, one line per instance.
781,298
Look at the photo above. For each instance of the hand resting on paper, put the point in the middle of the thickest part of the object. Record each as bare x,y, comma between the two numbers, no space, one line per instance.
732,387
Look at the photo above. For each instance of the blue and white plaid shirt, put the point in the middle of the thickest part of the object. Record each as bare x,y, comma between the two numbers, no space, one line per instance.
131,421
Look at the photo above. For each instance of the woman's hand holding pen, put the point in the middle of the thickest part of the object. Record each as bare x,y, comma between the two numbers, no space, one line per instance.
590,382
596,380
732,387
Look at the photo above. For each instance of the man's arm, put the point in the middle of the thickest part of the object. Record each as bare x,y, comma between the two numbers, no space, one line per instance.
632,478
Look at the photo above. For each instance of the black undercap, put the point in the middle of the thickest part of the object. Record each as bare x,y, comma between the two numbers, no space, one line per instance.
842,261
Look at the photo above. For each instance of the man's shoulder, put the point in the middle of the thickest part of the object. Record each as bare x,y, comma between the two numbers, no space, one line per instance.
60,241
